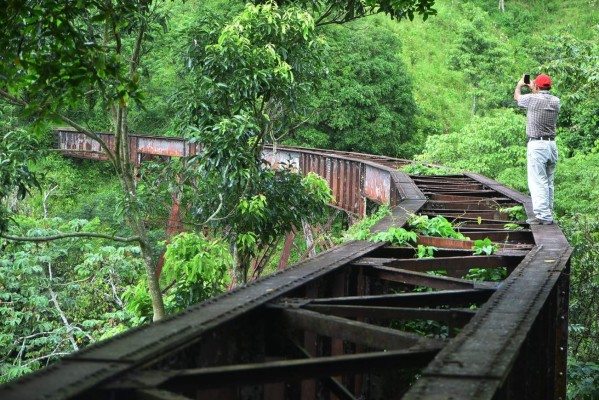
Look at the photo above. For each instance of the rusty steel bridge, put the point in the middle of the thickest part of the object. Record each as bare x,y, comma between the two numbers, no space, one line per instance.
344,324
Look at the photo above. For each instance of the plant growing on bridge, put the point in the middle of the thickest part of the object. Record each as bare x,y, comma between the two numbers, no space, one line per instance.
484,246
516,213
421,169
395,236
437,226
425,251
361,229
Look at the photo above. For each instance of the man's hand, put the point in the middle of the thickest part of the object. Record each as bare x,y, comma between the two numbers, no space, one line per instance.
519,87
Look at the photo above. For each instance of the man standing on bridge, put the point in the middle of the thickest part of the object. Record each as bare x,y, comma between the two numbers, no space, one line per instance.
541,152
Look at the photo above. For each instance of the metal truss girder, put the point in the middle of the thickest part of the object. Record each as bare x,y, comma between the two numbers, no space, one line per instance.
453,315
357,332
428,280
157,394
442,263
275,371
428,299
490,343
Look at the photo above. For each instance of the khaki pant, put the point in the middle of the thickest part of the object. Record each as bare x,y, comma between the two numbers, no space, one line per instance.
542,158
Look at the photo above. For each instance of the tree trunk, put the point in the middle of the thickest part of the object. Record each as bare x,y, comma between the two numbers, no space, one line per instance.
125,172
310,245
237,273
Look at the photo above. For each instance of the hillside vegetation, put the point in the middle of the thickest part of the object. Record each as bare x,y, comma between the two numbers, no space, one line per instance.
235,77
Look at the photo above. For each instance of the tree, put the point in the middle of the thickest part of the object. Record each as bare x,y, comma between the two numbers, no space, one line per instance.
342,11
55,53
16,150
485,59
367,95
59,296
247,81
574,66
489,145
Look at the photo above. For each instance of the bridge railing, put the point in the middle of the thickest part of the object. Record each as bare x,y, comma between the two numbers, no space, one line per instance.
351,178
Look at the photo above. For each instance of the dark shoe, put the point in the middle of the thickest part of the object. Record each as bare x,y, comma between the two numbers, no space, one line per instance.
536,221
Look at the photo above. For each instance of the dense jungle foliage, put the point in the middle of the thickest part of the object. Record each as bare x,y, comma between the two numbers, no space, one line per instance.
80,243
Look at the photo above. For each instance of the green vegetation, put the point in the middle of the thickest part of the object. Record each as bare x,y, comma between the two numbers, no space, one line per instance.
416,168
367,93
517,213
361,229
59,296
437,226
195,269
484,247
235,77
395,236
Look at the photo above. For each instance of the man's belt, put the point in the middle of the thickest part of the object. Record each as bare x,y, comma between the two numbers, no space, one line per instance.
530,139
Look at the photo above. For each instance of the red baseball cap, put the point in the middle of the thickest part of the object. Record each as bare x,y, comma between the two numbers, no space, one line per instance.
543,81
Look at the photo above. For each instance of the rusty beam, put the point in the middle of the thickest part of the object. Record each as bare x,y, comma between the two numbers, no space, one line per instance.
485,193
504,236
481,204
331,383
474,214
274,371
469,198
423,279
460,316
157,394
446,186
443,263
448,243
353,331
427,299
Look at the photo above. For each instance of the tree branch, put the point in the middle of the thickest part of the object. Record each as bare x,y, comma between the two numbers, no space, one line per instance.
45,201
65,321
19,102
90,134
69,235
53,354
14,101
114,291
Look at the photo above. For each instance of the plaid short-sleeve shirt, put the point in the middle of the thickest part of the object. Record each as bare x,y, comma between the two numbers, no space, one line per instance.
541,116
